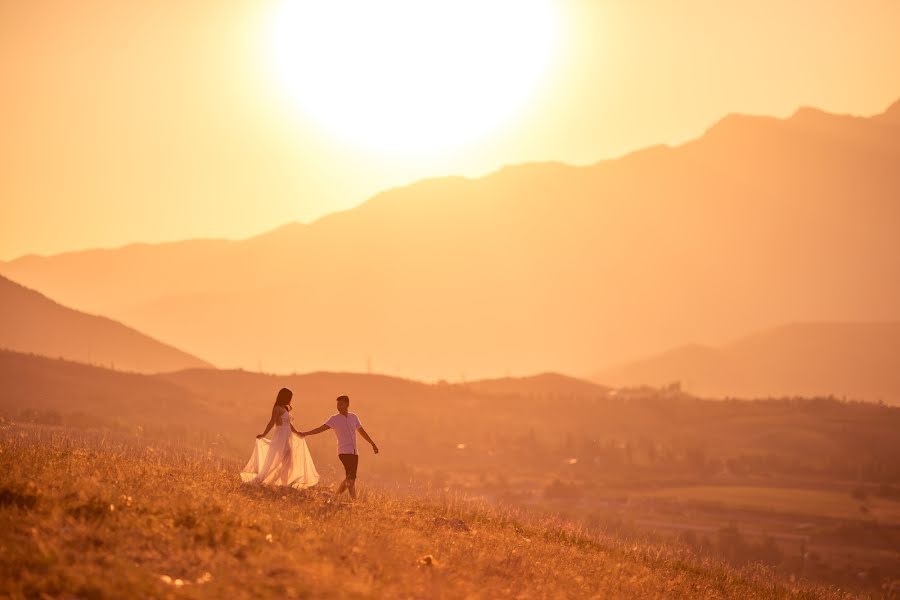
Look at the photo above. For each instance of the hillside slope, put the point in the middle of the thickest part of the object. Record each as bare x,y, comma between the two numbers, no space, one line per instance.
31,322
856,360
420,427
536,267
75,393
111,518
538,385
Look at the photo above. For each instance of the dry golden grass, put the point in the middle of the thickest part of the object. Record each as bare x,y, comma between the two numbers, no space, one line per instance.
92,516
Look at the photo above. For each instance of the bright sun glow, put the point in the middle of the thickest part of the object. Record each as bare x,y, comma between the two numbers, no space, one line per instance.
412,76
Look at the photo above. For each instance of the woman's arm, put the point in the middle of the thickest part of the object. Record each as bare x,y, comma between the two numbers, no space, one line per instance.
269,426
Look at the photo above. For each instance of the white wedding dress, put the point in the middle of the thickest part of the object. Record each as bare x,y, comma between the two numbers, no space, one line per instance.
283,460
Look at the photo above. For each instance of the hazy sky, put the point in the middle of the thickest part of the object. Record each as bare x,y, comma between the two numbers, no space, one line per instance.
129,121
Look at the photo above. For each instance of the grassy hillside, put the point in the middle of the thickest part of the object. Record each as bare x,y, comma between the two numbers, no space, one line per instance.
104,517
31,322
809,486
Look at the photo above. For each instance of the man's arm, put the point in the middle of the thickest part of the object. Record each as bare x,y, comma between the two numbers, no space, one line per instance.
366,437
318,429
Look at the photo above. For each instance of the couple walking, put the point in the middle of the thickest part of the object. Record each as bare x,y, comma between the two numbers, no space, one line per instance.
285,459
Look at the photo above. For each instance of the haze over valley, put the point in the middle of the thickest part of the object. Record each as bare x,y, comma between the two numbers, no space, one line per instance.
758,223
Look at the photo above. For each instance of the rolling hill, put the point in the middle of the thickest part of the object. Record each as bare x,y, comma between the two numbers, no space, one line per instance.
856,360
31,322
548,443
420,426
545,384
536,267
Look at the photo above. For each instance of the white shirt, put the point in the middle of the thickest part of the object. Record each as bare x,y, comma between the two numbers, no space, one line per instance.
345,430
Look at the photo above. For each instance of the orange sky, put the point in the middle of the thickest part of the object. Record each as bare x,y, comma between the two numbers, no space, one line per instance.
132,121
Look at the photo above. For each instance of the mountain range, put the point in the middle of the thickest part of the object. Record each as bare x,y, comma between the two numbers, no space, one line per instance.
852,360
758,222
33,323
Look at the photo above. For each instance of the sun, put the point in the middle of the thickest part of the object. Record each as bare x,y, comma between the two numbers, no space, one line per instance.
412,76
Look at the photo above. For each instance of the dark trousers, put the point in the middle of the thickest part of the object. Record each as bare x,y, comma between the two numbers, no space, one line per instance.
351,462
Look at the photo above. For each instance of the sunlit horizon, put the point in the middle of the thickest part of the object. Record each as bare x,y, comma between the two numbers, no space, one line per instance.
407,78
199,138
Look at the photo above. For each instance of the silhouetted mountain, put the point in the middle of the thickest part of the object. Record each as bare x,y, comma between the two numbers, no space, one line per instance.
37,383
536,267
31,322
892,114
545,384
856,360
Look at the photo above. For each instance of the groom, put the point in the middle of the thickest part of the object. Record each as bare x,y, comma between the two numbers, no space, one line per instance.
345,425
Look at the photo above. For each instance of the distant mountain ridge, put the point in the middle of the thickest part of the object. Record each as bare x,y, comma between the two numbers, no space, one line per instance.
543,384
854,360
892,113
536,267
33,323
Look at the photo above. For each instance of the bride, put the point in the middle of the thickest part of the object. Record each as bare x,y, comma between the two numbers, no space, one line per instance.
285,459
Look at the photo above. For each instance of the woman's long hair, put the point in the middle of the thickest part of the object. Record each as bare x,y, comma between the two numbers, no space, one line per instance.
284,398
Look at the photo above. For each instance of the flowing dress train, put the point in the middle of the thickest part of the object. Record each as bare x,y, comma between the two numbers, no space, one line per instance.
283,460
